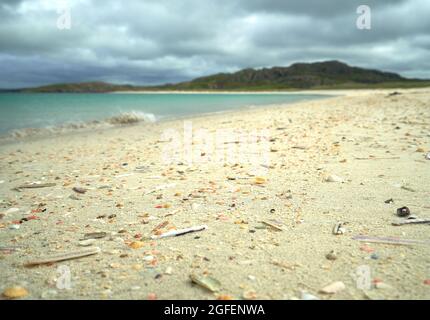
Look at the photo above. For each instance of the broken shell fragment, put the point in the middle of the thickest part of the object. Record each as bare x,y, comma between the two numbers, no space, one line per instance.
206,282
87,243
64,256
79,190
175,233
15,292
338,229
403,212
260,180
333,288
94,235
249,295
136,245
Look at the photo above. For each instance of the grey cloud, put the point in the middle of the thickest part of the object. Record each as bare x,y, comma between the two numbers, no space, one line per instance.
152,42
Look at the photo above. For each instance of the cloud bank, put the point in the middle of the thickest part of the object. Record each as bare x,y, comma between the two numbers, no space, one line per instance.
160,41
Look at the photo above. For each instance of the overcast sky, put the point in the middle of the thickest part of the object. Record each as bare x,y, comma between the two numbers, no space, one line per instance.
159,41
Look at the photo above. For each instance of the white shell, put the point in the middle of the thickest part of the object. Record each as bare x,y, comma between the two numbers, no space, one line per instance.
335,287
12,210
86,243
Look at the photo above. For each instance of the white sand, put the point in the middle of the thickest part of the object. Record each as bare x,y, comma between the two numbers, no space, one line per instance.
309,141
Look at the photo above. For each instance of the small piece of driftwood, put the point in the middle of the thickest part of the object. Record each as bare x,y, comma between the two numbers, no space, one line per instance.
64,256
175,233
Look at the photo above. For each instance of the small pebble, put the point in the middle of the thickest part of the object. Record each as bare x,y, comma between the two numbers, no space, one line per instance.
331,255
374,256
14,226
403,212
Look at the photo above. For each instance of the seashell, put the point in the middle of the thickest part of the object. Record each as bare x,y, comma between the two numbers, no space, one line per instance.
136,245
383,286
148,258
206,282
15,292
338,229
260,180
79,190
333,288
86,243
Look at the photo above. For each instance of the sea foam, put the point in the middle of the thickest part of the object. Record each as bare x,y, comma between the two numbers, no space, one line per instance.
122,119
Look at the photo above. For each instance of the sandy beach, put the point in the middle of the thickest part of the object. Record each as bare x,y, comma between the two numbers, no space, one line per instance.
337,165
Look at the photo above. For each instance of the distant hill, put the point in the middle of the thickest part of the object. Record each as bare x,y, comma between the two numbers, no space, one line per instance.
330,74
84,87
318,75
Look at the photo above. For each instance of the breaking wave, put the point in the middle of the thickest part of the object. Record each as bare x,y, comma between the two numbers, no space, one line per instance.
122,119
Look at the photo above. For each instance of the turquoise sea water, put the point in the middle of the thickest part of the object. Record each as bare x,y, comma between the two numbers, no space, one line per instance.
19,111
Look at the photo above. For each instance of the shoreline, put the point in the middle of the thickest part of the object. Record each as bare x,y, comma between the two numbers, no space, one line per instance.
65,129
98,125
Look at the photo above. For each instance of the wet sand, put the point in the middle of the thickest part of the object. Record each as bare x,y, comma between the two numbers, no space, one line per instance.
372,145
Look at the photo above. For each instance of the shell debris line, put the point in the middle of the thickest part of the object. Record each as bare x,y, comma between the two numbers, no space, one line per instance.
337,193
